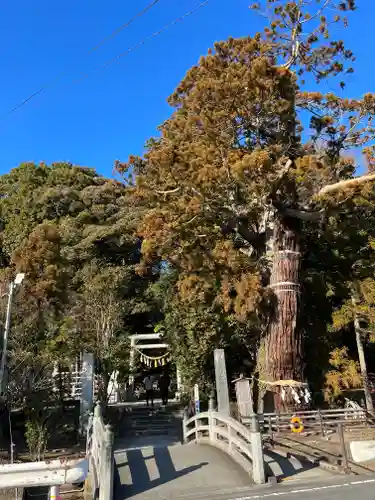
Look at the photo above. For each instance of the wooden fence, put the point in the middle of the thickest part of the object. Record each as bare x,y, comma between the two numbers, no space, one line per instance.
320,421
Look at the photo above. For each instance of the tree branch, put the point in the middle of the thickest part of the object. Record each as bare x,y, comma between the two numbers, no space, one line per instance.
255,239
303,214
168,191
349,183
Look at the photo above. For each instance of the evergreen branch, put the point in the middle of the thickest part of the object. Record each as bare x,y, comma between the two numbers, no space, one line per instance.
348,183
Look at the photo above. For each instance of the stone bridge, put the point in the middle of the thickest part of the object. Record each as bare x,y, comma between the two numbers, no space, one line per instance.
153,463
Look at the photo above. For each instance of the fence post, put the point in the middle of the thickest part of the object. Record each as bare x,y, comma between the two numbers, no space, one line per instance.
344,453
321,422
259,475
270,429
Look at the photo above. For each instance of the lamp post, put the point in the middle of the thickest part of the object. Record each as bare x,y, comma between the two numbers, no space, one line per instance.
12,285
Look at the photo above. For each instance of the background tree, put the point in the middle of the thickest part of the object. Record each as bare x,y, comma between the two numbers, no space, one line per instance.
72,232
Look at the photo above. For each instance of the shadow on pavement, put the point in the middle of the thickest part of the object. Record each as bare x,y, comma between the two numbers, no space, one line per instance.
141,481
276,465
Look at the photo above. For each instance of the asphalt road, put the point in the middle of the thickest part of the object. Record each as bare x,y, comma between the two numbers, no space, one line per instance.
343,488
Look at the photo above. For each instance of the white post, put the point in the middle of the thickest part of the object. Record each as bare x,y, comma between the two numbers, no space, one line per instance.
131,363
87,391
54,493
107,469
116,388
179,384
12,285
259,475
196,399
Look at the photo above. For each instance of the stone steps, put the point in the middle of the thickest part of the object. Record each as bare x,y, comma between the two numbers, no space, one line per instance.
145,422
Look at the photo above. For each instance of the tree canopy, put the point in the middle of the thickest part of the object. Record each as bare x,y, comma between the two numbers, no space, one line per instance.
252,168
245,225
71,232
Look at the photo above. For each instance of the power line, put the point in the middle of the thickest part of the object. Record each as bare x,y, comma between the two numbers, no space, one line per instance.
102,42
118,30
142,42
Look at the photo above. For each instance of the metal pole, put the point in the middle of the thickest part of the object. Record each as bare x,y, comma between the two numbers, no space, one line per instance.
6,335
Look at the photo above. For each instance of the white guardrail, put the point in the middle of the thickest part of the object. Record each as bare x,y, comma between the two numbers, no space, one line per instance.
97,466
52,473
100,451
239,442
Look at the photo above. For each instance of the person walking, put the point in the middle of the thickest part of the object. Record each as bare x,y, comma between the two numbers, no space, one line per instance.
164,388
149,388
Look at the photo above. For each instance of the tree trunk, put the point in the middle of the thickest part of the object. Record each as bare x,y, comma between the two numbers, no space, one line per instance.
283,349
362,359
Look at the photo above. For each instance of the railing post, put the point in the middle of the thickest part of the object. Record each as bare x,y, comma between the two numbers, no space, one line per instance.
90,433
185,418
196,425
229,430
107,469
259,475
211,403
210,426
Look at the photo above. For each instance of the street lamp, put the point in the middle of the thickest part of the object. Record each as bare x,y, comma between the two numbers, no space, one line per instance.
12,285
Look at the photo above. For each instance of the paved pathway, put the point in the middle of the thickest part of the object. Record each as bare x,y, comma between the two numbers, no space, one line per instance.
173,472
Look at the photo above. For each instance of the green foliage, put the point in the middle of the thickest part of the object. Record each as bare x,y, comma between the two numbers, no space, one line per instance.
344,375
71,232
249,159
36,435
249,151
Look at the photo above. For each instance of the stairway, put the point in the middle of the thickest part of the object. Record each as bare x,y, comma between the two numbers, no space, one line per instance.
144,426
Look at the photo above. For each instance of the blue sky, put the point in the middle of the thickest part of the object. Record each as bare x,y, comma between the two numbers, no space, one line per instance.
110,114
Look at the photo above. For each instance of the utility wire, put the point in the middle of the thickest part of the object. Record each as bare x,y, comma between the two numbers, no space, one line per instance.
142,42
118,30
100,44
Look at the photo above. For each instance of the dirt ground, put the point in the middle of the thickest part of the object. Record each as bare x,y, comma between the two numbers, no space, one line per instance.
327,447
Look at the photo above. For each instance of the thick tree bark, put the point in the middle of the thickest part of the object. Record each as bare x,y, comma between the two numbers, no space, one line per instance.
283,349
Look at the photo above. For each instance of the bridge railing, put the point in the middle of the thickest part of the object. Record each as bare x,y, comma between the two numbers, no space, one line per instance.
101,457
239,442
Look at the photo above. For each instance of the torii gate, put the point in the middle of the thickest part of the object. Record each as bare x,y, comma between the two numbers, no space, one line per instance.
134,339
